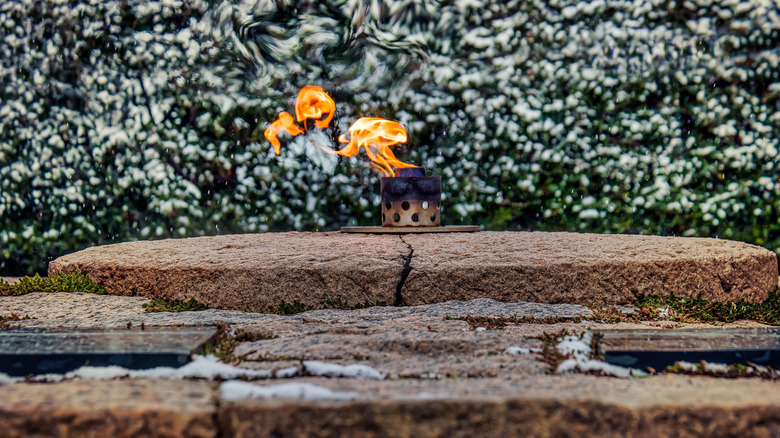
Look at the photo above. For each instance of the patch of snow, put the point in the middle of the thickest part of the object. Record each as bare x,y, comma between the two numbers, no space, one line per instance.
575,345
235,390
202,367
480,329
95,373
687,366
324,369
577,350
285,373
592,365
515,350
5,378
432,376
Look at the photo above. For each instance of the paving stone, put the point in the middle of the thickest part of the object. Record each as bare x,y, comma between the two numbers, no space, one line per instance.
249,271
127,408
534,405
584,268
446,379
255,271
41,351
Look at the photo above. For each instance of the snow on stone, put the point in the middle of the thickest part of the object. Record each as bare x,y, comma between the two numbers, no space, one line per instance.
284,373
236,390
324,369
715,368
577,349
201,367
204,367
591,365
515,350
5,378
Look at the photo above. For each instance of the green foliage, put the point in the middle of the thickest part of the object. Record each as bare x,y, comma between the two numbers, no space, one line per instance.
76,282
655,307
136,120
11,317
222,344
732,371
158,304
289,309
285,308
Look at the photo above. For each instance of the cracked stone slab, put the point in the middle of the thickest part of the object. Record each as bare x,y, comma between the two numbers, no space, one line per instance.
255,271
584,268
127,408
249,271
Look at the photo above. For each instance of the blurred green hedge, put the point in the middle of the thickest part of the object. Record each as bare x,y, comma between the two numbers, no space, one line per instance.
124,120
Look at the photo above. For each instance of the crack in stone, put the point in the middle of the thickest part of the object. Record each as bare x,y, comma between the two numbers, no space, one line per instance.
399,299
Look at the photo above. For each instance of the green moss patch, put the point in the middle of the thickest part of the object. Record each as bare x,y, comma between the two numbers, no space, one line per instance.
76,282
697,310
225,341
159,304
285,308
652,308
11,317
722,370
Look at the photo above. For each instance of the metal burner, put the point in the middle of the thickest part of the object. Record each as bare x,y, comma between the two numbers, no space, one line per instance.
411,203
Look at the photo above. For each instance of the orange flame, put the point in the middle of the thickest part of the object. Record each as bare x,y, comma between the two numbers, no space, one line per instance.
312,102
376,136
283,123
373,134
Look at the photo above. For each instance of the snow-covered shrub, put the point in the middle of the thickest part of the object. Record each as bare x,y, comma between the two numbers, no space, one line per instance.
143,119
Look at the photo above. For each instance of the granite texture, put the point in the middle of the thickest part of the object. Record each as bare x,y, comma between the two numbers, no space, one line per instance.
129,408
532,405
584,268
249,271
257,271
445,378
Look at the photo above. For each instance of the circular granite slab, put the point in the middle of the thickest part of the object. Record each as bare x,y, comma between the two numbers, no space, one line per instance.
255,271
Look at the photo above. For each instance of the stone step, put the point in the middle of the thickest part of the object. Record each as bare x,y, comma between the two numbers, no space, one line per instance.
257,271
532,406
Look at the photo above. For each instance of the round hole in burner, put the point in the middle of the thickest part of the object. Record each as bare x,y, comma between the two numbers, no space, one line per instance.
405,205
388,205
415,217
425,205
396,217
383,218
433,217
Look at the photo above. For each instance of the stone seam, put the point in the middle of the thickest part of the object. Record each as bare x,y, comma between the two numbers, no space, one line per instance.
399,298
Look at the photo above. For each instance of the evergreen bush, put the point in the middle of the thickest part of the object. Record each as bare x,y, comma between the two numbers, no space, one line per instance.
124,120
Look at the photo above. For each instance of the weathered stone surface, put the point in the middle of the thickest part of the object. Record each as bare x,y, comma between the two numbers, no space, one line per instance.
249,271
131,408
494,394
529,406
260,270
584,268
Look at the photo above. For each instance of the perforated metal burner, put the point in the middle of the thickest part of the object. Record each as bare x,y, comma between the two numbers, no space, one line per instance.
411,203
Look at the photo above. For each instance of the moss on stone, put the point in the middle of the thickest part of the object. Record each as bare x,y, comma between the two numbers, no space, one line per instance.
75,282
11,317
158,304
697,310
